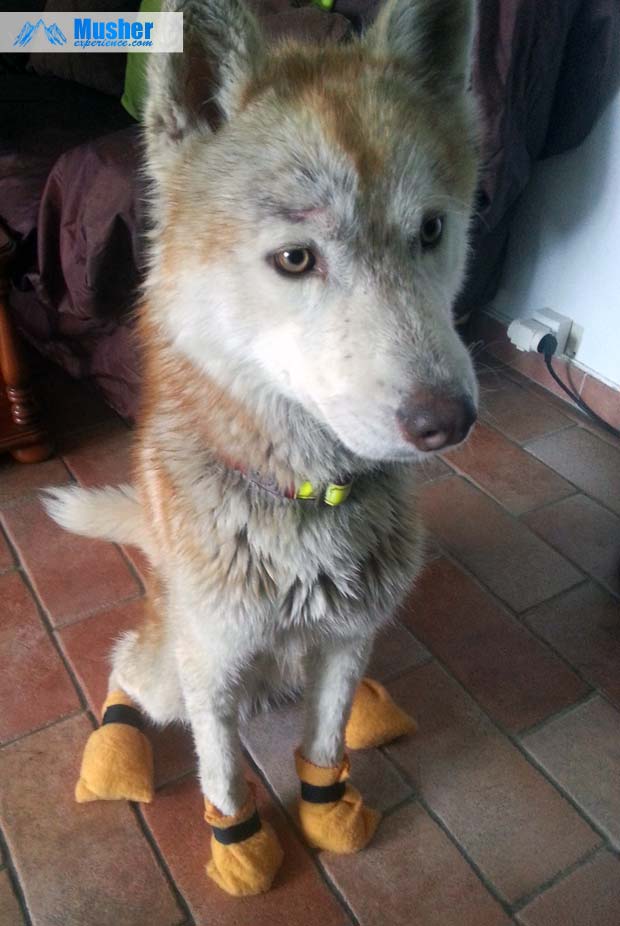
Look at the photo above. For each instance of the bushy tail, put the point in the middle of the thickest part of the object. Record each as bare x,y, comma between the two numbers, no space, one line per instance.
113,513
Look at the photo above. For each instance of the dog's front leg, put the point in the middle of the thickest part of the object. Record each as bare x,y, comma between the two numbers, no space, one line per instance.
331,810
245,852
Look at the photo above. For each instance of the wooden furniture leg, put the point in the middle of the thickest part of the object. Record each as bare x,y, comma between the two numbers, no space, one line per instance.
21,431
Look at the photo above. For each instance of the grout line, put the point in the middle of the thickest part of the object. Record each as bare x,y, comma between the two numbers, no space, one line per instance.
412,798
520,616
519,447
131,566
577,490
591,695
486,882
46,726
160,860
417,797
548,504
446,547
47,624
109,606
595,579
14,881
314,856
523,901
515,741
556,399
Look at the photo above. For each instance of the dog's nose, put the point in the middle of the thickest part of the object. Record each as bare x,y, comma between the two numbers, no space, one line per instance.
432,421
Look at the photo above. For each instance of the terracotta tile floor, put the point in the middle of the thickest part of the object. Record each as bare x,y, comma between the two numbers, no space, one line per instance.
504,808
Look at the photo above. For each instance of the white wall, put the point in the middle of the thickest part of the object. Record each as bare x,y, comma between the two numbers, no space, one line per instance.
565,246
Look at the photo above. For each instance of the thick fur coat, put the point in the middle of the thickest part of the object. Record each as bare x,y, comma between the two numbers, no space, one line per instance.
351,154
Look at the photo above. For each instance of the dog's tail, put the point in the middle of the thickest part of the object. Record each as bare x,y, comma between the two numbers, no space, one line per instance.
113,513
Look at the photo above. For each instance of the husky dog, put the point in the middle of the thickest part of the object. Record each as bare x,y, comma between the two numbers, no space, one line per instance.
310,211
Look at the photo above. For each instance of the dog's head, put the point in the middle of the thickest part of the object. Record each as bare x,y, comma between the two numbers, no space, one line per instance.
316,238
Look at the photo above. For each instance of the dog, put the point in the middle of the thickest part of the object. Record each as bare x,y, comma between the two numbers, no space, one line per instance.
310,210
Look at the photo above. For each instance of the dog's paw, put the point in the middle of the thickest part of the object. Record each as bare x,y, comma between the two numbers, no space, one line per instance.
245,851
117,763
332,813
375,718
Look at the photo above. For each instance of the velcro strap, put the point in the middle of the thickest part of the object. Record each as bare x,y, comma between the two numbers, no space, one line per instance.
322,794
123,713
239,831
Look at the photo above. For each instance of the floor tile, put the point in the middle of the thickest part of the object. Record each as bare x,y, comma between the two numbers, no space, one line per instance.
6,557
100,457
514,677
561,403
412,873
395,651
509,820
504,554
35,688
73,576
298,896
21,479
589,896
584,532
581,751
508,407
87,645
507,473
77,863
591,464
271,739
139,561
10,911
429,470
584,626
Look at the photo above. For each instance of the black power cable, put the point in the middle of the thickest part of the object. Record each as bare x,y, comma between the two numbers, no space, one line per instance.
547,348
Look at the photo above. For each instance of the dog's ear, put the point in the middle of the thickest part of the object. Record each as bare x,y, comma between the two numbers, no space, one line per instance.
431,40
222,49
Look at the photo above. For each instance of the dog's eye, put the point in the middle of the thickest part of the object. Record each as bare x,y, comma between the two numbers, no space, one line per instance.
294,261
431,231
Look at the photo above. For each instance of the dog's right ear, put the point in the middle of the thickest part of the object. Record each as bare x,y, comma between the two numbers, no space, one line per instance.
222,50
430,40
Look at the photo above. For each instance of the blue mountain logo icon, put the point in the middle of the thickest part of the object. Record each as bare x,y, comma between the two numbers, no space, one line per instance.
55,35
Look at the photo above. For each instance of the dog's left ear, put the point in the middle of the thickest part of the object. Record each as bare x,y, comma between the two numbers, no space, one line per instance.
430,40
222,50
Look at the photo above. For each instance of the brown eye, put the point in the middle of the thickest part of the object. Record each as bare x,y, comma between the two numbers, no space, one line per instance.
431,231
294,261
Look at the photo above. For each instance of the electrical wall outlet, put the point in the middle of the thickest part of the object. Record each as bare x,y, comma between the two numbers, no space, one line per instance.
527,333
560,325
574,340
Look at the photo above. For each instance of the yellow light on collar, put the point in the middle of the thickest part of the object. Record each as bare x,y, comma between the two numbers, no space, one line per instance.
334,494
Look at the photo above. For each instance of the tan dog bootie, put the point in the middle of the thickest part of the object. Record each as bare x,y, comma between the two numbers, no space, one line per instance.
331,811
245,851
375,719
118,760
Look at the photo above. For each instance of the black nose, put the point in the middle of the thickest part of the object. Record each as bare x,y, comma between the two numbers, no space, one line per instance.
432,421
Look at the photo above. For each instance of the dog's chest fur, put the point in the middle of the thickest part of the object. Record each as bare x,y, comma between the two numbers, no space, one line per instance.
241,554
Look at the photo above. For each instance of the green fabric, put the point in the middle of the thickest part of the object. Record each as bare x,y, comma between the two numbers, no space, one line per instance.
134,92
